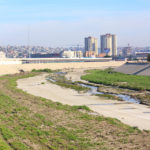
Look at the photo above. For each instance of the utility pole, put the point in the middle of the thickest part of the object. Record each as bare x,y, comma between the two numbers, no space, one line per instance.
28,41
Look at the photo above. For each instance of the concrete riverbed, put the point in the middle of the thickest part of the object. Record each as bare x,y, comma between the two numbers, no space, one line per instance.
129,113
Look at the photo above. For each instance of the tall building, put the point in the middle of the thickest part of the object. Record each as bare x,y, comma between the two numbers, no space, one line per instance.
91,45
109,44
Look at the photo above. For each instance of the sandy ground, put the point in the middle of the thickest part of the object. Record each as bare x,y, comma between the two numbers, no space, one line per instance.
12,69
131,114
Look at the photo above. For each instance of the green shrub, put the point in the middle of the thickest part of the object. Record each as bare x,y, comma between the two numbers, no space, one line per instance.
81,107
42,70
109,77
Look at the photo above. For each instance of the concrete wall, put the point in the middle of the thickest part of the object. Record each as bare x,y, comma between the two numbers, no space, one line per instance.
12,69
132,68
10,61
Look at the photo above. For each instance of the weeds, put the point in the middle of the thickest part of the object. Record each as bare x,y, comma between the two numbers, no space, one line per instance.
109,77
81,108
108,96
63,82
43,70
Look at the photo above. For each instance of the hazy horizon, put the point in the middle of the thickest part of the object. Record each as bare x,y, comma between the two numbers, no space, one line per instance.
63,23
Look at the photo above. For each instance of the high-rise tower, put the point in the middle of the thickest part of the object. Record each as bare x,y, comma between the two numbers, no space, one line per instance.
91,45
109,44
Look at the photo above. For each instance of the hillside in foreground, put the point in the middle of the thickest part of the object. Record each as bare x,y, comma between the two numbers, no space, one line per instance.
29,122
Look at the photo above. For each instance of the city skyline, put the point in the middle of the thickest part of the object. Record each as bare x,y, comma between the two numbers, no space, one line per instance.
65,23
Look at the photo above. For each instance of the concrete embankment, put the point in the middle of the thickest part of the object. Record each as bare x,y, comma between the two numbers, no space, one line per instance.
12,69
135,68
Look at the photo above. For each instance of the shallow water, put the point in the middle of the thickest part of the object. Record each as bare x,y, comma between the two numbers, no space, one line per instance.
128,98
105,104
61,73
49,79
94,90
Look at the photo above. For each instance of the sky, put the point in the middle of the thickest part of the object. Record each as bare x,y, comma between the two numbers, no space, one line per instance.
66,23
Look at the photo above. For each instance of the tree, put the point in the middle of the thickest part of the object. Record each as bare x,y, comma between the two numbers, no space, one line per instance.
148,58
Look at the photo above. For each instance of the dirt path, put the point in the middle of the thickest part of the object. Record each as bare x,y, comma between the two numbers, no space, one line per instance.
131,114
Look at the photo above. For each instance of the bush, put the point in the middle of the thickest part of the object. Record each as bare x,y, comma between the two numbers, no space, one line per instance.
81,108
42,70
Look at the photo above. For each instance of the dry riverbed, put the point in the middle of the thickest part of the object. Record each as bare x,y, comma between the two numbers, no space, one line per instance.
132,114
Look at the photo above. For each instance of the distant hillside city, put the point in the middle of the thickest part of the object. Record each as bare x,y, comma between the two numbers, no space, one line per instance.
108,48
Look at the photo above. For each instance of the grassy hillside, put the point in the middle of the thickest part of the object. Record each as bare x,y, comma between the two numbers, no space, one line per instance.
109,77
28,122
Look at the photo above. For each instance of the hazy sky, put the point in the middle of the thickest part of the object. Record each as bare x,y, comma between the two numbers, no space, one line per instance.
67,22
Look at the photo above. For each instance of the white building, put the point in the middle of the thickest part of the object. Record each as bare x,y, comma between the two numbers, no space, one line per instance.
8,61
72,54
2,55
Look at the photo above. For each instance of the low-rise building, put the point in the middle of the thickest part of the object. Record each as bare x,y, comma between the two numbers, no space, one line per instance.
90,54
72,54
142,55
102,55
2,55
78,54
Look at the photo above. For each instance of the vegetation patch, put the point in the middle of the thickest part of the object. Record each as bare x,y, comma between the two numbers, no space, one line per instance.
42,70
4,145
81,108
109,81
108,96
63,82
109,77
72,86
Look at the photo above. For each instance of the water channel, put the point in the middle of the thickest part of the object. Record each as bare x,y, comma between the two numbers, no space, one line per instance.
94,90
